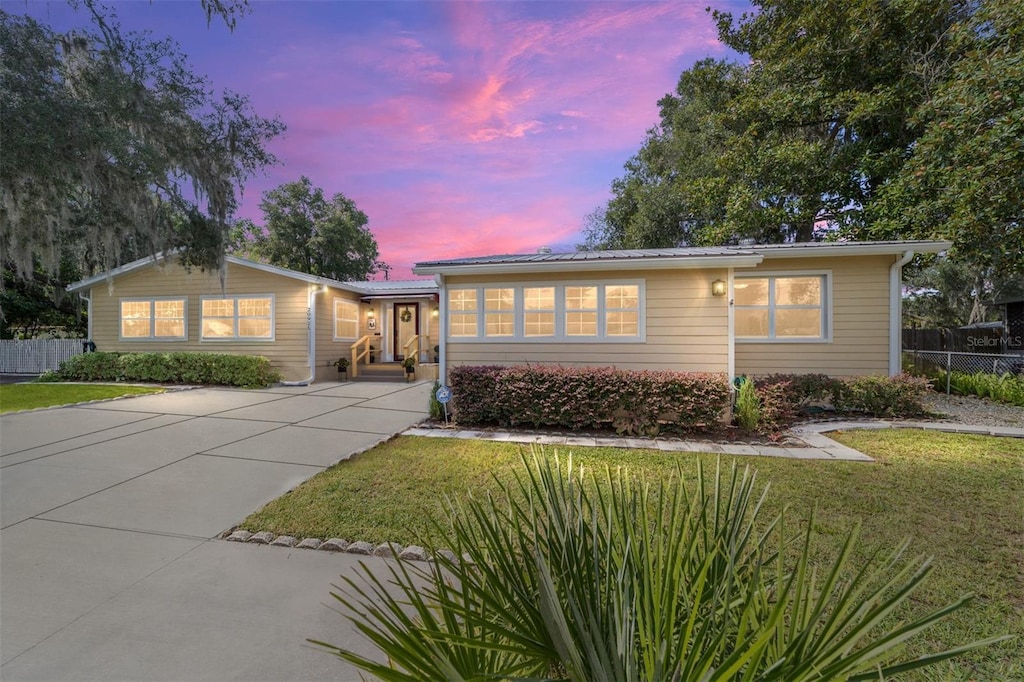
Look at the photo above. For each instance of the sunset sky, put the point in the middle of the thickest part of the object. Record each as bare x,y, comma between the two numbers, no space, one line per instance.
459,128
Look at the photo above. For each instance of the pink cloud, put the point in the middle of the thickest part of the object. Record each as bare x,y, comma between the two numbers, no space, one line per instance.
495,130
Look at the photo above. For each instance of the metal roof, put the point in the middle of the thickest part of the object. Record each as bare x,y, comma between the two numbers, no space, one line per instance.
623,254
740,255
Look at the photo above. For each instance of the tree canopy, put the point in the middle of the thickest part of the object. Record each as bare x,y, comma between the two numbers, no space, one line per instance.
862,119
111,142
305,231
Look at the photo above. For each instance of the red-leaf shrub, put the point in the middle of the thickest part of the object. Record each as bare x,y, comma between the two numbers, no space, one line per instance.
588,397
473,393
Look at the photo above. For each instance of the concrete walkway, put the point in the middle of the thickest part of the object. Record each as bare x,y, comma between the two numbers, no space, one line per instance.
109,567
817,445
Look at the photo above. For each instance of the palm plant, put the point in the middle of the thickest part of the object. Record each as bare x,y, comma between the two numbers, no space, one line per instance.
570,575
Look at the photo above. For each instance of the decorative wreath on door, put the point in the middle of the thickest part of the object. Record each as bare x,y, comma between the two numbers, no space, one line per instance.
406,315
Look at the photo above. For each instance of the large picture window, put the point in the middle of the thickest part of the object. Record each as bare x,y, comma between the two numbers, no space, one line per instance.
781,307
153,319
240,318
346,319
573,311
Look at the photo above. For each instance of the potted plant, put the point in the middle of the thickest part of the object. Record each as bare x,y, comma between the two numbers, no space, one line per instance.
410,366
342,365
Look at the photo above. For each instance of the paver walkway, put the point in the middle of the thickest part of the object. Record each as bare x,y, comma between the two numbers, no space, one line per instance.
108,511
818,445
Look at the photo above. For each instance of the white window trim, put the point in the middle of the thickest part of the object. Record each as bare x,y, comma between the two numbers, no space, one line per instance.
826,306
334,329
560,335
236,338
152,319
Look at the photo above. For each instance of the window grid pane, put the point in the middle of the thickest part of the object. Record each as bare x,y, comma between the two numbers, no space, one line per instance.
622,314
346,319
751,291
462,324
623,323
581,324
539,298
462,300
780,307
169,328
135,329
539,324
499,324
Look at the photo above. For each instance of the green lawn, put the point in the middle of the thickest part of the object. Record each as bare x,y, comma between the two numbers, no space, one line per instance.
960,498
15,397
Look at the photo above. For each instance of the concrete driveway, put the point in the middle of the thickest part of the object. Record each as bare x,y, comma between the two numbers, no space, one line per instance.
109,564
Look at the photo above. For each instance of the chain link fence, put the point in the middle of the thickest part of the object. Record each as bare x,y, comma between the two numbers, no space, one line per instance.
941,364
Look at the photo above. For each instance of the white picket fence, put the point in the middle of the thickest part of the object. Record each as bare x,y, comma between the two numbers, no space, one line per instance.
35,356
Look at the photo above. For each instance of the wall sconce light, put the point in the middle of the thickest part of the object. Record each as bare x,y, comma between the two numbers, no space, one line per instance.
435,312
718,287
369,314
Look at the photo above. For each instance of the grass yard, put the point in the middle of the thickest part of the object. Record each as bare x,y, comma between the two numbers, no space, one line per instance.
959,497
15,397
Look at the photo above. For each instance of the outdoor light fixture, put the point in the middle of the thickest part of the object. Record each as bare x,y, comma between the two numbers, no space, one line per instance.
718,287
435,312
369,313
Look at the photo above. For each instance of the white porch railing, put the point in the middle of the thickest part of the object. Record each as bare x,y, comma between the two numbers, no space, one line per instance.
35,356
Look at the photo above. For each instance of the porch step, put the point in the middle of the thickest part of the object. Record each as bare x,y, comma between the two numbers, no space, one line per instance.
380,371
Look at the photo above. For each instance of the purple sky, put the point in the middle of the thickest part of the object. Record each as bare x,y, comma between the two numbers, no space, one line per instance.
459,128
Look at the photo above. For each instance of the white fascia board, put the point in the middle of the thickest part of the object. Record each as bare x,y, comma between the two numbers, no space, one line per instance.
672,263
124,269
162,258
294,274
399,296
894,249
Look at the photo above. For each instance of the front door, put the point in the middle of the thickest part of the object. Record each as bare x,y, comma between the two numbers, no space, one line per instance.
407,325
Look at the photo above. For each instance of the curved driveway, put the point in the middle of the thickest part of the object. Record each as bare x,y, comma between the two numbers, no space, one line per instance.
109,513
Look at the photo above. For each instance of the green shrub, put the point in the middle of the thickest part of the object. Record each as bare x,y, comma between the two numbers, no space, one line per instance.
898,396
588,397
568,575
748,407
1004,389
218,369
435,407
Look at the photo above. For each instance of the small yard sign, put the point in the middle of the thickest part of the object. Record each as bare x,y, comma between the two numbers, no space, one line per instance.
443,395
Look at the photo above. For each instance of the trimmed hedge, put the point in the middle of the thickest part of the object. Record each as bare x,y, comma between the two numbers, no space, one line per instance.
588,397
219,369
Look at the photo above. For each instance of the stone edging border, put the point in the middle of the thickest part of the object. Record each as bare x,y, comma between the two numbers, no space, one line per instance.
811,433
360,547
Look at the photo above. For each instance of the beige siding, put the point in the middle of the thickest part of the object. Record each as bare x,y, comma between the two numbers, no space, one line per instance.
860,322
327,349
687,327
289,351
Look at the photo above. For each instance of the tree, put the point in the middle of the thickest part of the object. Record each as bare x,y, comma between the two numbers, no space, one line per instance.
862,119
306,232
109,136
965,178
805,134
